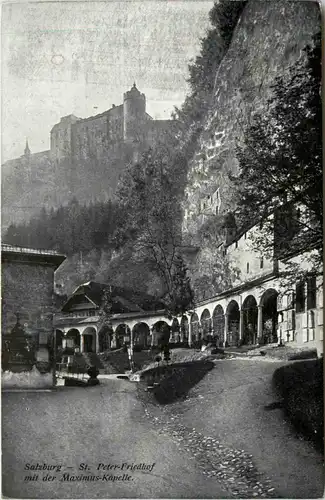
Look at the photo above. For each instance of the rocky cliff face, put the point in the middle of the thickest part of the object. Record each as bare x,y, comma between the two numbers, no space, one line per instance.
269,37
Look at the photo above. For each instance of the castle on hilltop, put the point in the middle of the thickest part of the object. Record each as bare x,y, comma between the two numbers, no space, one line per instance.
76,138
128,123
85,159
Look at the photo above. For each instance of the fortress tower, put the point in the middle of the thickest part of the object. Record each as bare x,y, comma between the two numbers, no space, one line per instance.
134,114
85,159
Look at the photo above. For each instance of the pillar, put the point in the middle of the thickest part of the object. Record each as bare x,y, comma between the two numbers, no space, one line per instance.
131,336
241,325
113,343
64,337
189,332
259,322
152,333
181,332
96,342
226,329
82,343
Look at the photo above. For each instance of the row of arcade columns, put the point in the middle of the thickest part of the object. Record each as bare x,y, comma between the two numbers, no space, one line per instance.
227,316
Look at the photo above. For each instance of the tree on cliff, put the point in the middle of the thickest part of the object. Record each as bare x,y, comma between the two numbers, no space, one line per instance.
149,194
280,179
223,16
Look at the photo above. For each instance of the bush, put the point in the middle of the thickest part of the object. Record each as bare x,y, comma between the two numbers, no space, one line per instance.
93,372
43,366
301,387
137,348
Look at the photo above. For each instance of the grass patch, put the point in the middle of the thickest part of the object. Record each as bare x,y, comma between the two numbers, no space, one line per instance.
174,381
301,387
118,360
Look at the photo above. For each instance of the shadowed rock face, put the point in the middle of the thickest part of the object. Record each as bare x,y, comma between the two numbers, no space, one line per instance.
268,39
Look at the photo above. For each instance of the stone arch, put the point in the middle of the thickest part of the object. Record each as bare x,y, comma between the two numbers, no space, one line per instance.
175,331
105,335
122,334
161,333
206,324
141,334
218,322
74,334
195,328
89,339
250,316
233,318
184,329
268,303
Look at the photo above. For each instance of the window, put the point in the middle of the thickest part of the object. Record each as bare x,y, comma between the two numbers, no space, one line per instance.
290,300
247,267
311,292
311,320
236,244
245,235
217,210
261,263
300,297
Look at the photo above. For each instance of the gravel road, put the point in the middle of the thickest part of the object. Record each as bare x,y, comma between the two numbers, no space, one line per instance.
223,423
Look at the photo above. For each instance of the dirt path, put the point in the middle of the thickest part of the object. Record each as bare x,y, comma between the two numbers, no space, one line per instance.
225,421
103,424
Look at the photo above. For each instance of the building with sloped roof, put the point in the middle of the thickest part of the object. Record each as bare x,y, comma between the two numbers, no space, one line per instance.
129,311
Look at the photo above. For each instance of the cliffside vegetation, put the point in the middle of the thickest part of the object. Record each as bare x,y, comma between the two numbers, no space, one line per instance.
281,165
150,195
135,241
223,18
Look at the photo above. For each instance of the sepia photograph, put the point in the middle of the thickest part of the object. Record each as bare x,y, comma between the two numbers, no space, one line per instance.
162,249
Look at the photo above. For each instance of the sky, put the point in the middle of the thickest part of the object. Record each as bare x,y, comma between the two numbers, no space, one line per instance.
61,58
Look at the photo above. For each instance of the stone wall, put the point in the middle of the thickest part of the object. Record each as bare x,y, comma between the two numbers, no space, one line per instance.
27,306
61,138
94,136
